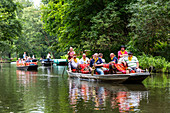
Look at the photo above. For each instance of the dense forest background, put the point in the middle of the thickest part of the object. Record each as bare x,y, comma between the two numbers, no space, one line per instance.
95,25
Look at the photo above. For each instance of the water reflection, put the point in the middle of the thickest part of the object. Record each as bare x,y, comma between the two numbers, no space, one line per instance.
45,91
26,77
60,70
122,97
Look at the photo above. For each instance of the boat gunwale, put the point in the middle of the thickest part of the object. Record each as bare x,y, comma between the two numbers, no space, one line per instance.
110,75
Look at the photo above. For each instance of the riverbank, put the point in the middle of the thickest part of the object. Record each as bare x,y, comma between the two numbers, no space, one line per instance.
5,62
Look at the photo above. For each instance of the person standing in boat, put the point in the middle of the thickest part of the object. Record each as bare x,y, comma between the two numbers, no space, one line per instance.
24,55
73,63
132,62
70,53
97,63
122,53
84,59
49,55
33,56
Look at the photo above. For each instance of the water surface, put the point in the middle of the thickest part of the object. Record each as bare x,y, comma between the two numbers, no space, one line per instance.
49,90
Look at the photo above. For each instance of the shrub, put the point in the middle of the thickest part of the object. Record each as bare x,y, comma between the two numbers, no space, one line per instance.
158,62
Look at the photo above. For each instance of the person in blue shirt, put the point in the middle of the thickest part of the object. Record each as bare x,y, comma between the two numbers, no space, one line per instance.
113,58
24,55
97,62
113,61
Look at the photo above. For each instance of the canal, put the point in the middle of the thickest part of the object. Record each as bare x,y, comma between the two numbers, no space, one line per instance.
49,90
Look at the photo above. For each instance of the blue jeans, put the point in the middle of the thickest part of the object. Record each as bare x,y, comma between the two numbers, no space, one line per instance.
100,71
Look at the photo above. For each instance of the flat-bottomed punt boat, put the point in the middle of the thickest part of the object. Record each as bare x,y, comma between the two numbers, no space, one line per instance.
115,78
47,62
60,61
27,66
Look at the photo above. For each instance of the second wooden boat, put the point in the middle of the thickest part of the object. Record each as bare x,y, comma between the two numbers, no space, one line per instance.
27,66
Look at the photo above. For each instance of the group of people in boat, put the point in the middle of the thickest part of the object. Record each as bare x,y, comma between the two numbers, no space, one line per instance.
96,62
26,59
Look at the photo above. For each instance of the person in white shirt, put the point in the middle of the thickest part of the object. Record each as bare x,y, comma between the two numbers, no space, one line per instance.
33,56
73,62
84,59
132,62
49,55
24,55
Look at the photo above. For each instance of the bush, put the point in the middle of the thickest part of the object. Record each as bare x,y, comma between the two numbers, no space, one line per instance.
158,62
13,59
64,57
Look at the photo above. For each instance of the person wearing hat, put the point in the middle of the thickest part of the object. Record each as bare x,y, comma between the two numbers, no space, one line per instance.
84,59
132,62
122,53
97,63
73,62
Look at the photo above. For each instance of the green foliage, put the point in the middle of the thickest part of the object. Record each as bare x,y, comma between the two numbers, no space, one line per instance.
64,57
31,39
95,25
149,25
107,30
9,25
158,62
14,59
34,40
68,19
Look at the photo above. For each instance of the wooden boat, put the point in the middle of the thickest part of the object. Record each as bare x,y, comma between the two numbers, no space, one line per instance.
47,62
120,76
60,61
27,66
137,77
115,78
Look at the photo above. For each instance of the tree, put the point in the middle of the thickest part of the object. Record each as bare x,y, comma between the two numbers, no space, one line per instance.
32,40
9,25
150,26
68,19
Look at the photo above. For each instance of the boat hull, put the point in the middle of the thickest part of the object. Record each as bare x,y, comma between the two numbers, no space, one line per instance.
136,78
22,67
60,61
115,78
33,67
47,62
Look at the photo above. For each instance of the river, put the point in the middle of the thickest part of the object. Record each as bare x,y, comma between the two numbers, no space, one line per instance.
47,91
